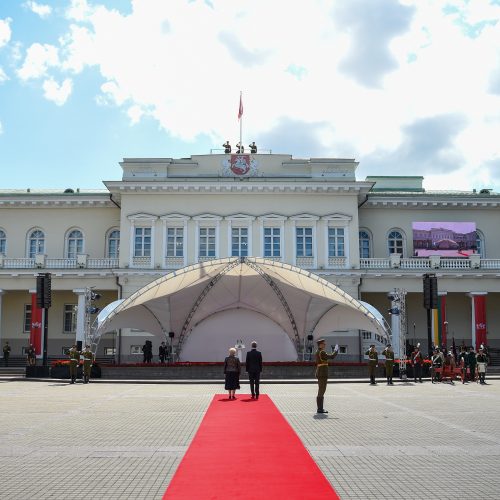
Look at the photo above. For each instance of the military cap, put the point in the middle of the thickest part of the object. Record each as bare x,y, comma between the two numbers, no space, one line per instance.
319,341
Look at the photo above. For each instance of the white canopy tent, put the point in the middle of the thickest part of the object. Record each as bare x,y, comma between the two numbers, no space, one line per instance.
300,302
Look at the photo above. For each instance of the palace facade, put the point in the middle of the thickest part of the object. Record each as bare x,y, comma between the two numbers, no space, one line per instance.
166,214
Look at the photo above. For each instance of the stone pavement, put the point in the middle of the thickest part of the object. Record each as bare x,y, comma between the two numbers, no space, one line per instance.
107,441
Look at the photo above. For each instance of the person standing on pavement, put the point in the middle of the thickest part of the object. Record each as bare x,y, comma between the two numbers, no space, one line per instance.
6,353
88,359
74,360
322,358
253,365
482,361
462,362
162,352
372,363
31,356
417,360
471,361
389,363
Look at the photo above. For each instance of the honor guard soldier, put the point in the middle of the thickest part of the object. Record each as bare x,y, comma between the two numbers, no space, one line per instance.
88,359
389,363
322,358
482,361
418,361
372,363
253,148
74,359
227,147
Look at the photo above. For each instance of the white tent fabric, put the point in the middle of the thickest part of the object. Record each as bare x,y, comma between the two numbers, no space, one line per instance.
300,302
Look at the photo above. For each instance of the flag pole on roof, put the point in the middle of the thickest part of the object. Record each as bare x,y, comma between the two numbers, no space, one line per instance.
240,118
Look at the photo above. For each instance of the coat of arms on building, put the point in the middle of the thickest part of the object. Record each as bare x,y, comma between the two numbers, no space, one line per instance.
244,165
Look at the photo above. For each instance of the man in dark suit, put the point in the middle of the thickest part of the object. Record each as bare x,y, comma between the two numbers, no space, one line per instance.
254,368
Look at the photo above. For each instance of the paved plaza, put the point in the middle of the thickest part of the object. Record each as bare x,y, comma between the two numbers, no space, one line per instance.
125,440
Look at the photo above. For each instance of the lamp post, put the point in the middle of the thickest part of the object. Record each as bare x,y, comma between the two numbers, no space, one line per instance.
445,340
414,326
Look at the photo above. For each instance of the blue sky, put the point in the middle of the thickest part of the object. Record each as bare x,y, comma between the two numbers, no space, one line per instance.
405,87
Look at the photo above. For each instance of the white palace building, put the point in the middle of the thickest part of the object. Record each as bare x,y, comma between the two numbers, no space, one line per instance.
177,246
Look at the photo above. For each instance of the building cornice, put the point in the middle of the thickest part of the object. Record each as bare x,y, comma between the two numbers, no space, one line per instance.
431,202
49,199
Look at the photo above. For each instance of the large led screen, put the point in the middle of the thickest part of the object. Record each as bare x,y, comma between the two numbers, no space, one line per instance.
447,239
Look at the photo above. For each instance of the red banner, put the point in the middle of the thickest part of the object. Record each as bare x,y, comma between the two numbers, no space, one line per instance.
480,319
36,325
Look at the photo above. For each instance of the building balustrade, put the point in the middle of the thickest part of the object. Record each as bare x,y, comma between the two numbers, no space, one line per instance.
407,263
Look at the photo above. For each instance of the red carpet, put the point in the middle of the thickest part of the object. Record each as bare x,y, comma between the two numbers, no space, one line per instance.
245,449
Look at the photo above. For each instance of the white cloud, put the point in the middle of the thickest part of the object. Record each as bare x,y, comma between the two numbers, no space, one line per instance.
40,9
1,128
37,61
57,93
184,64
5,31
3,76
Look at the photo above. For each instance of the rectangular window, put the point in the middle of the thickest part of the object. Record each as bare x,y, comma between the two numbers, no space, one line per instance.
367,335
142,242
272,242
69,318
239,242
109,351
342,349
336,242
175,242
207,242
304,241
27,318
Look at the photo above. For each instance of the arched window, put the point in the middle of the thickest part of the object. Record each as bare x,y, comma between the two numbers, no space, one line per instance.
36,243
364,244
74,244
113,245
395,242
3,242
480,244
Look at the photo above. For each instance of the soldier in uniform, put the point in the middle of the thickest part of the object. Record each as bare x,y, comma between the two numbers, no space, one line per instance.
471,361
372,363
417,360
482,361
322,358
31,355
6,353
88,359
253,148
74,359
389,363
227,147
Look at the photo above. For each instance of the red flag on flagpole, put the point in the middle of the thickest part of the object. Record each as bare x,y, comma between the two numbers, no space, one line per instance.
240,110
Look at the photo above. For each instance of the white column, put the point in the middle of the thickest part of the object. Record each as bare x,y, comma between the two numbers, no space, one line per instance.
250,239
185,246
1,332
197,242
229,236
164,245
217,236
80,315
132,241
153,243
260,252
315,245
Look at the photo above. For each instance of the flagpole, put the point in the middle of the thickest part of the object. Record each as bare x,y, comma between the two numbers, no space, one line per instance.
241,119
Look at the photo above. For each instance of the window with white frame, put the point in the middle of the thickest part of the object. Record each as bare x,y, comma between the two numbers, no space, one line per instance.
272,242
367,335
304,241
3,242
336,242
113,244
239,242
36,243
395,242
175,242
69,320
206,242
479,243
27,318
74,244
364,245
142,242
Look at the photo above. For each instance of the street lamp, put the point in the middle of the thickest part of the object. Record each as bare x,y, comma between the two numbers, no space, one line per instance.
414,326
445,342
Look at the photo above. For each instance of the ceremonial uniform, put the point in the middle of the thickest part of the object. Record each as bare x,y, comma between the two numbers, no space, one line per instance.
417,359
322,358
471,361
88,358
389,363
372,363
482,361
74,359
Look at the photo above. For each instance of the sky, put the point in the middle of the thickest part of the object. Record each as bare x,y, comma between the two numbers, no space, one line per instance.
404,87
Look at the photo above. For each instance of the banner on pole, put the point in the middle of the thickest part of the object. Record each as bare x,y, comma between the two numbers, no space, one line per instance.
36,325
480,319
240,109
